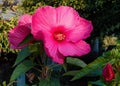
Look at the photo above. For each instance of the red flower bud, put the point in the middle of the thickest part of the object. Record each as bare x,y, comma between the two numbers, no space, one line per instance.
108,73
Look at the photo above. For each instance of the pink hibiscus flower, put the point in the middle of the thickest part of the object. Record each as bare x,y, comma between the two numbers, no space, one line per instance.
20,32
63,31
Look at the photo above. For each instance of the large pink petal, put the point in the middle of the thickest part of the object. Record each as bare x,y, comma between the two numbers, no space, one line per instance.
74,49
26,19
67,16
80,31
43,19
17,35
51,49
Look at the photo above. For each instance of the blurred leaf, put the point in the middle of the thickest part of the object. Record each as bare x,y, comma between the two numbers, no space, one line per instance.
4,83
21,69
34,48
26,40
64,67
118,41
71,73
98,83
50,82
76,62
97,64
117,79
95,73
54,82
22,55
44,82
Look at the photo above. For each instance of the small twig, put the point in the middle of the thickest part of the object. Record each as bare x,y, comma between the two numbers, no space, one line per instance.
37,69
10,84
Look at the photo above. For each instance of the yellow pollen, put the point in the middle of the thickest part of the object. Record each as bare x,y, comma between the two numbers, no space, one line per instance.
59,36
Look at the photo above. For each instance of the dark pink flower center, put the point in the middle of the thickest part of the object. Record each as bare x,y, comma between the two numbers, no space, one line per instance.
59,34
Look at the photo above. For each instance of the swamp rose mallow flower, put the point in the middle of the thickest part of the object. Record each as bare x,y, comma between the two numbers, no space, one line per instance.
63,32
20,32
108,73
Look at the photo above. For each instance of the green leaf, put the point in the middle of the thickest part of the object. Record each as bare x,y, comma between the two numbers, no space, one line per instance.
117,79
97,64
26,40
50,82
71,73
118,41
4,83
22,55
97,72
21,69
64,67
54,82
44,82
76,62
34,47
98,83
